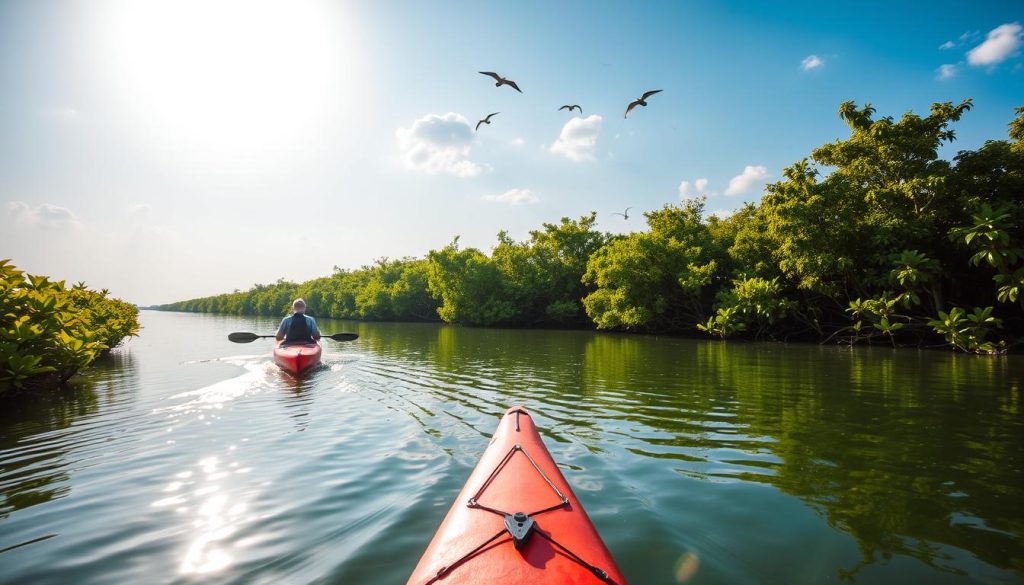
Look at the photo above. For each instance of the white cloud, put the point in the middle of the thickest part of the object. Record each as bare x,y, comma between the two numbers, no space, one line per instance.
743,183
139,212
513,197
439,143
1001,43
578,138
946,71
689,191
518,141
812,62
45,216
947,45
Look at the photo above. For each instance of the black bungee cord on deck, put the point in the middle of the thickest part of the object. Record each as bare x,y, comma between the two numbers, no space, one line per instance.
520,526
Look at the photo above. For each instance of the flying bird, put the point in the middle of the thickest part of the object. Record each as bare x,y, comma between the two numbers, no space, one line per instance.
571,108
501,80
624,215
486,120
641,101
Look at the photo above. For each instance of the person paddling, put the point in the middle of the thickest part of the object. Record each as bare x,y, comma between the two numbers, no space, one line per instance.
298,327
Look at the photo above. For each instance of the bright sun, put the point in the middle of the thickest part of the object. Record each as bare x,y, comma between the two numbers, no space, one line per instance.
227,77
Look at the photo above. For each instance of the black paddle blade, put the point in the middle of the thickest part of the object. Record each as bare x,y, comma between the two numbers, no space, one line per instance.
243,337
344,336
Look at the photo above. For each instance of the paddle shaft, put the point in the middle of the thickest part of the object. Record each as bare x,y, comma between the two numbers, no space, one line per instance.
244,337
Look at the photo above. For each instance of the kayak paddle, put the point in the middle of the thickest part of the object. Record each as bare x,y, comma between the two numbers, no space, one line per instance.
242,337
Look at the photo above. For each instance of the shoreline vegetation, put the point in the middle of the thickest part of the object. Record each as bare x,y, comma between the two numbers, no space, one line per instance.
870,239
48,332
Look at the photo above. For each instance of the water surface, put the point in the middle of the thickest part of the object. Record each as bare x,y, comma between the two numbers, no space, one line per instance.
186,459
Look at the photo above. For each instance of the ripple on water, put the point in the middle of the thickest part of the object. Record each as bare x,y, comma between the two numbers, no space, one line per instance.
724,462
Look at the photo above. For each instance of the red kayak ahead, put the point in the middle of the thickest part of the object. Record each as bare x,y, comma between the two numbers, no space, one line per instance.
297,358
516,522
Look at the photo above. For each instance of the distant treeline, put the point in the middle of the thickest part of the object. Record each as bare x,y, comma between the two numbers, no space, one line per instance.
49,331
870,239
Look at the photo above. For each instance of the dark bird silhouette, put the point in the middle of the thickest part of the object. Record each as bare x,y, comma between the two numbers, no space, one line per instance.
501,80
486,120
641,101
624,215
571,108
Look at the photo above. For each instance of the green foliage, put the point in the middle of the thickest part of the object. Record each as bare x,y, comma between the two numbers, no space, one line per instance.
995,234
49,332
805,231
874,310
469,285
968,332
561,252
387,290
990,235
886,191
914,269
535,282
1017,127
880,314
659,279
396,290
752,303
1010,285
725,322
915,272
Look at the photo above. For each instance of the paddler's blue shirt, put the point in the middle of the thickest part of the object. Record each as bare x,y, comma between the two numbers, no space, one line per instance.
286,324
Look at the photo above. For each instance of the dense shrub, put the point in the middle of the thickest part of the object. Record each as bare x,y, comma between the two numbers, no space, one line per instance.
48,332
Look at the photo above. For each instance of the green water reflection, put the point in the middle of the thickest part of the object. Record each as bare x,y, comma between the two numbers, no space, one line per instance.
909,452
896,455
39,475
34,479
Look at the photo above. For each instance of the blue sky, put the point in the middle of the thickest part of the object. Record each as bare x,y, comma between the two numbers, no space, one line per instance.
167,150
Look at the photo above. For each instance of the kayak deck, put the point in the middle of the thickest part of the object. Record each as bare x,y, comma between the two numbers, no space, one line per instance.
484,540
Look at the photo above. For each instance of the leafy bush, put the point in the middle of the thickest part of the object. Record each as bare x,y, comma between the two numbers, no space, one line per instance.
751,302
49,332
968,332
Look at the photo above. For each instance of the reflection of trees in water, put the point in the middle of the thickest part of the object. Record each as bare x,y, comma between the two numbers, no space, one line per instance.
904,464
34,471
907,452
39,477
477,369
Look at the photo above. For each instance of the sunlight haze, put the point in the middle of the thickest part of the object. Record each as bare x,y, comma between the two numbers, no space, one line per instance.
169,150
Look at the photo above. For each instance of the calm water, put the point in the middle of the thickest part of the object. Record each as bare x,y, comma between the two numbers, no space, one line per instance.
187,459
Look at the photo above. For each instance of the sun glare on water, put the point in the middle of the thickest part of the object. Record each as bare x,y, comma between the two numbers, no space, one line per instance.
227,77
